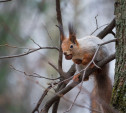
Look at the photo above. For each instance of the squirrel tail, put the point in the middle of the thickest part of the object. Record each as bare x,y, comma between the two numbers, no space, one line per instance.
101,94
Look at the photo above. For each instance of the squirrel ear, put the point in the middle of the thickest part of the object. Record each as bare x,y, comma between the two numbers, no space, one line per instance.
73,39
72,33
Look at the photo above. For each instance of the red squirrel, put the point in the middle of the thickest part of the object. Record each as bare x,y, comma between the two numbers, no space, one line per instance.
81,52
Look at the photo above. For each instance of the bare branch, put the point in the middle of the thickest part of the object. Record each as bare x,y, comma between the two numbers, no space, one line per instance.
41,99
47,31
59,19
96,21
82,106
56,103
51,64
35,43
75,97
107,30
55,106
63,81
68,76
34,74
11,46
109,41
30,51
71,71
58,10
98,28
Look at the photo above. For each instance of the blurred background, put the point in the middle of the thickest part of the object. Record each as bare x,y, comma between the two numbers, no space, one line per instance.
23,20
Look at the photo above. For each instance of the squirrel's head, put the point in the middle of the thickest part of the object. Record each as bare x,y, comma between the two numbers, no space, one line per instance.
70,44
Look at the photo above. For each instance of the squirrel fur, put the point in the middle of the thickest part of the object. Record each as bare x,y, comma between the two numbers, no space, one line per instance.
81,52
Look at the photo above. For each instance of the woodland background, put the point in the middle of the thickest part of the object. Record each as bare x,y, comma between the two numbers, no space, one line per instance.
24,21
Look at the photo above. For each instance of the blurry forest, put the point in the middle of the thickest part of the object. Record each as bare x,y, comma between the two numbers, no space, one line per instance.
23,23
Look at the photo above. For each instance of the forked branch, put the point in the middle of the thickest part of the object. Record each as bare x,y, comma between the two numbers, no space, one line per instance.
107,30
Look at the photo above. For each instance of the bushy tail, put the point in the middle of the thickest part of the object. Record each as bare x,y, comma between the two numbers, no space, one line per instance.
101,94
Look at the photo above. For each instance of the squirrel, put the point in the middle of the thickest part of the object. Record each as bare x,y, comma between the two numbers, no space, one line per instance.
81,52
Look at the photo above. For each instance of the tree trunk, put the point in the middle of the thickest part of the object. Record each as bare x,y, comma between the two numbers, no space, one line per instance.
119,89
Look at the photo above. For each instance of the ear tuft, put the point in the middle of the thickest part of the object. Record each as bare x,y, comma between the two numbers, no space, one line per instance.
72,30
72,33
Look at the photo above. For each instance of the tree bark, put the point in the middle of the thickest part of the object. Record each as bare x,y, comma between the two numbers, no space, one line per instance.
119,89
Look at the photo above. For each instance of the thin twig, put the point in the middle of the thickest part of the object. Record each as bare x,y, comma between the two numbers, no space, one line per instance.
30,51
51,64
63,81
76,95
107,30
33,75
96,21
11,46
40,76
97,27
109,41
46,90
47,32
35,43
82,106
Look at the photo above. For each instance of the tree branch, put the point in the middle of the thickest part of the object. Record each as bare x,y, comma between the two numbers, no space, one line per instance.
107,30
59,19
51,64
29,51
41,99
56,103
34,74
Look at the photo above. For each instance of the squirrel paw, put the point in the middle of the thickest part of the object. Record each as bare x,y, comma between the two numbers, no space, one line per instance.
76,78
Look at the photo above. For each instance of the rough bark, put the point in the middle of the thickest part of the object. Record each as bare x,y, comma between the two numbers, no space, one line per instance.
119,89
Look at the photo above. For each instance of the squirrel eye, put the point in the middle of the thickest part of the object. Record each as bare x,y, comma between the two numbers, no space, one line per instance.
71,46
